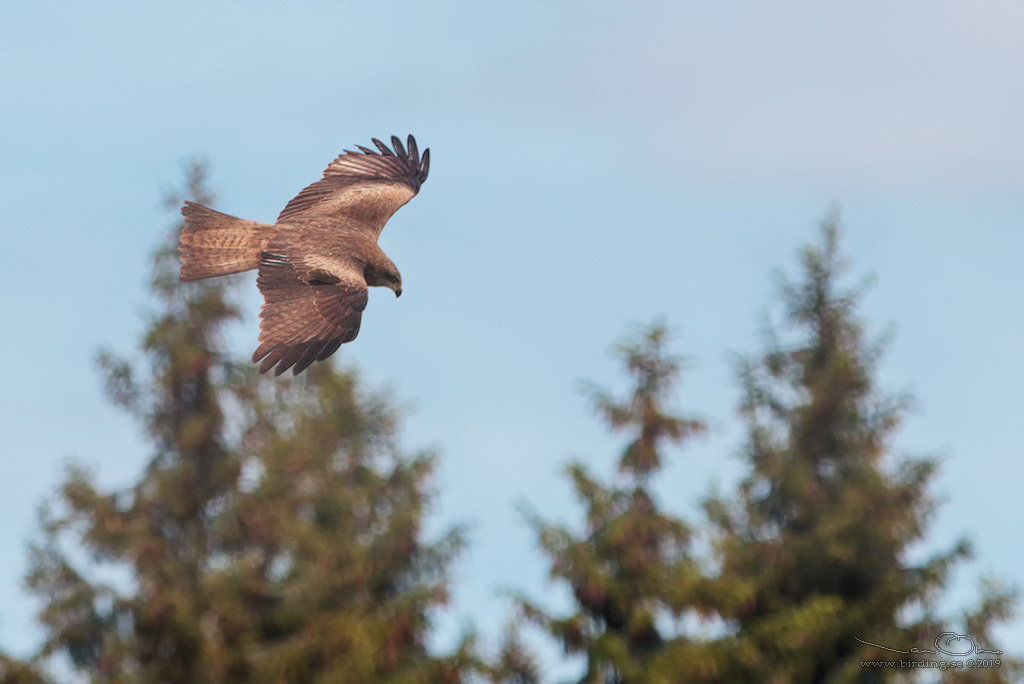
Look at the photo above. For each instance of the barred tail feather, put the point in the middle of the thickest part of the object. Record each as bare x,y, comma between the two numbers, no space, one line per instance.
215,244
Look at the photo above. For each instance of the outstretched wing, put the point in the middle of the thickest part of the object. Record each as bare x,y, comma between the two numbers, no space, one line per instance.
312,305
369,185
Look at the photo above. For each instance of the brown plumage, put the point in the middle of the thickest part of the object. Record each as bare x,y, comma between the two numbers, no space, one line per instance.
316,262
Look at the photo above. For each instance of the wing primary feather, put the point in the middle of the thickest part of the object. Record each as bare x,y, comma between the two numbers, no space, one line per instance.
293,354
425,165
311,354
397,144
269,362
329,348
414,152
301,365
261,351
365,150
383,148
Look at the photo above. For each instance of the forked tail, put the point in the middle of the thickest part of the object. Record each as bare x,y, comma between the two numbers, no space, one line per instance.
215,244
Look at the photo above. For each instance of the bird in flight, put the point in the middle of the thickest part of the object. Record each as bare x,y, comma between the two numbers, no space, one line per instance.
316,262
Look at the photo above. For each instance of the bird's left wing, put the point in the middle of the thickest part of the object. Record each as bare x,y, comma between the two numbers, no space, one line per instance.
368,186
312,305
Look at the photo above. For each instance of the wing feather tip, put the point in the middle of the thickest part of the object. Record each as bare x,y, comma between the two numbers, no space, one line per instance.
260,352
384,149
414,153
396,142
329,349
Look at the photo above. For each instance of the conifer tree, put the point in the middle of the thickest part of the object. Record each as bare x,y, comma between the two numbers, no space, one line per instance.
275,534
997,605
814,550
15,671
631,572
515,663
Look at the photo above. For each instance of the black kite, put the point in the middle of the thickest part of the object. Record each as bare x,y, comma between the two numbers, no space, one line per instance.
316,262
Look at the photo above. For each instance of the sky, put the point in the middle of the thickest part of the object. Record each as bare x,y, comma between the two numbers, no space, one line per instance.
594,167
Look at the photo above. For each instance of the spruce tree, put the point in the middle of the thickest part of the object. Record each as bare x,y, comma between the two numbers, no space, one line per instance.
16,671
515,663
275,534
815,548
631,572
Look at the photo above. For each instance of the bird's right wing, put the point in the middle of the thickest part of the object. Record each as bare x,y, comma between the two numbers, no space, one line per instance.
369,185
312,305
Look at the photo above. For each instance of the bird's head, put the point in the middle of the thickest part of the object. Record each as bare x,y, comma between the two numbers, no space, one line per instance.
393,279
382,272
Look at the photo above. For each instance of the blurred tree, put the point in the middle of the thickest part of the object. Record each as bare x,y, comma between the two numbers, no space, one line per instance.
815,549
631,572
515,663
998,601
15,671
274,536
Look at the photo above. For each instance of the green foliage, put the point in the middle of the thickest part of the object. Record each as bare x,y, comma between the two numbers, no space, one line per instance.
276,533
996,605
632,570
274,536
810,556
515,664
13,671
820,532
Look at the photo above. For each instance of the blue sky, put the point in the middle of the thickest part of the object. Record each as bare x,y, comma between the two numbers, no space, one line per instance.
591,169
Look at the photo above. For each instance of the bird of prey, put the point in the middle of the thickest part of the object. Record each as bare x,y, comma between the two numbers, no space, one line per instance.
316,262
